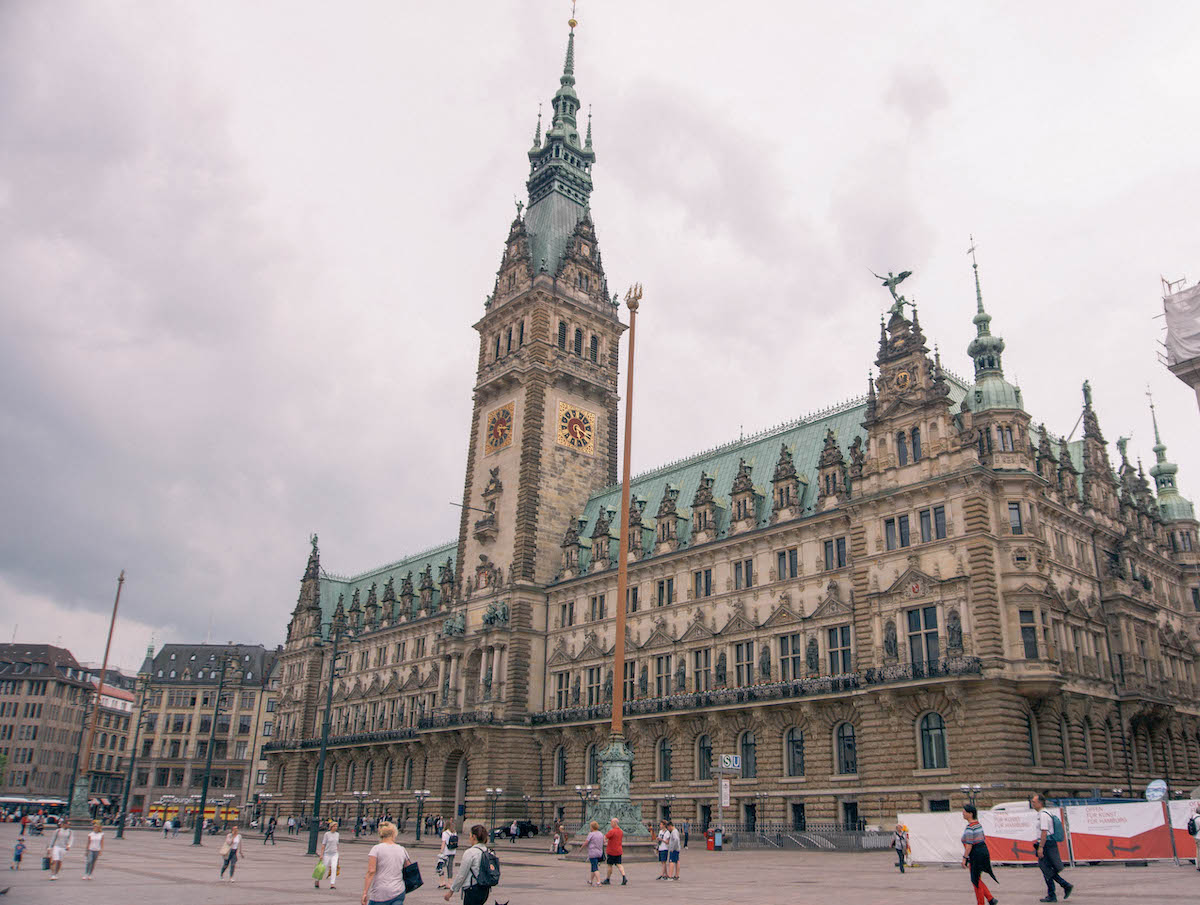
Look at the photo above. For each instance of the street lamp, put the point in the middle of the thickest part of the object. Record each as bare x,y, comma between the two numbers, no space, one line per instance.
361,796
420,795
971,791
670,799
527,798
264,802
143,681
226,658
337,629
88,702
760,800
493,796
586,794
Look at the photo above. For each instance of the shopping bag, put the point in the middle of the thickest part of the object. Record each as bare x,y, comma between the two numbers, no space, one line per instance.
319,870
225,849
412,877
45,862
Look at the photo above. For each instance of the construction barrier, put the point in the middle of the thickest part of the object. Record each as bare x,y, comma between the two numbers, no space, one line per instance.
1126,831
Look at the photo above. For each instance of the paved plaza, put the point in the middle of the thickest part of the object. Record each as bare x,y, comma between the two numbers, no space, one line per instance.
145,868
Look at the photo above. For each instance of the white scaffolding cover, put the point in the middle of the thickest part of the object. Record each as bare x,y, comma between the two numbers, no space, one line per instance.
1183,324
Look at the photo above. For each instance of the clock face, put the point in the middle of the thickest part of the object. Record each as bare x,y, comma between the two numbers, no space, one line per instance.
576,428
903,379
586,249
499,428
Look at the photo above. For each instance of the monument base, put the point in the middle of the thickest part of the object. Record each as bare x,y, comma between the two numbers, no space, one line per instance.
80,810
633,853
613,803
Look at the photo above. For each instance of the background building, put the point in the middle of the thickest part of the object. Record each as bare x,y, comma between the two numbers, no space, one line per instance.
43,696
871,605
110,748
182,714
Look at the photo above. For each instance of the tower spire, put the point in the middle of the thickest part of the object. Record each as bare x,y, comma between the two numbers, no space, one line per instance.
985,348
1171,503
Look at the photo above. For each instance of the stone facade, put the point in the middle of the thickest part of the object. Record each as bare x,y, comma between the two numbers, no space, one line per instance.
872,605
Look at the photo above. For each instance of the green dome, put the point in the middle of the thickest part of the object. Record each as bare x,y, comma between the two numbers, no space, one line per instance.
992,391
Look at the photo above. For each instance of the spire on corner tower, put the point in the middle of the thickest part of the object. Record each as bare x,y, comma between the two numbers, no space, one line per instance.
1171,503
992,391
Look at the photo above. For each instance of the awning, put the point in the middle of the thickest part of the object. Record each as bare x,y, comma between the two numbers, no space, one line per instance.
93,802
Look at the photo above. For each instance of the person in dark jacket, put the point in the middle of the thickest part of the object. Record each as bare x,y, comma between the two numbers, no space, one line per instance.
976,857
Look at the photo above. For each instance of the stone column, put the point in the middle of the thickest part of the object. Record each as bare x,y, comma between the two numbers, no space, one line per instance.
460,679
494,666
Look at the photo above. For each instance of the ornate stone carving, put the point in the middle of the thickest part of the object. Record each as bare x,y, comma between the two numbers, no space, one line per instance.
764,662
954,632
680,677
890,645
812,656
721,671
643,681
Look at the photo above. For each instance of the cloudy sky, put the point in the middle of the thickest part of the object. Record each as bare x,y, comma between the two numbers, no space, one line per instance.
242,245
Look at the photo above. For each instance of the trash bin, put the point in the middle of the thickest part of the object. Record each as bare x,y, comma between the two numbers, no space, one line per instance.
708,839
717,840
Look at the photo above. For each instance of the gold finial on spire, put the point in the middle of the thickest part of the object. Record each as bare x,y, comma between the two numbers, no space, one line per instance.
971,251
633,296
572,22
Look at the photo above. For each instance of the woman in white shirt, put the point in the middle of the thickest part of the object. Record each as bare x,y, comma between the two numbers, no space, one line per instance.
233,844
384,883
446,858
329,855
95,845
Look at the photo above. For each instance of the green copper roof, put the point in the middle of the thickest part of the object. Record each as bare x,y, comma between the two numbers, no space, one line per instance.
334,585
1171,503
991,390
804,438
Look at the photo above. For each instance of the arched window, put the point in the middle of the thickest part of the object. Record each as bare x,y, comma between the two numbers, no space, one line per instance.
748,747
1109,753
578,341
704,757
560,766
902,448
1031,737
933,742
370,783
282,779
594,348
408,773
847,749
1064,739
793,752
562,335
497,355
593,766
350,778
387,775
916,444
333,777
508,341
664,759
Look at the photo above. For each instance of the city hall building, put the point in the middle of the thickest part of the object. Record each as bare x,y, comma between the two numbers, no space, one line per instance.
871,605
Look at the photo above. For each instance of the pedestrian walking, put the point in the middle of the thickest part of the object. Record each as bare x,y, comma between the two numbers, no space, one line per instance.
18,851
60,844
594,843
384,881
291,825
175,827
1045,845
470,878
614,847
674,845
270,833
95,845
900,844
232,851
514,831
1194,829
328,853
976,857
166,827
24,823
687,829
445,865
663,838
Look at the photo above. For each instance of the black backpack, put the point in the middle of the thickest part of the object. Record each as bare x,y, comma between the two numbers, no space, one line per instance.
452,842
1191,826
489,869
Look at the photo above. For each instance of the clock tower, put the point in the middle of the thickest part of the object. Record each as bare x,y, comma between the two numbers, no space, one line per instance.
543,427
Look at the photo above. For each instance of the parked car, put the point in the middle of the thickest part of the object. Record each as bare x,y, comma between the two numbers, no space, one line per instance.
524,828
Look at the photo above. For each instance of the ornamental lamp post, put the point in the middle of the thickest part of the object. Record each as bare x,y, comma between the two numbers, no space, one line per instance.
527,798
143,682
586,794
227,658
670,800
971,791
264,802
361,797
337,630
493,796
420,795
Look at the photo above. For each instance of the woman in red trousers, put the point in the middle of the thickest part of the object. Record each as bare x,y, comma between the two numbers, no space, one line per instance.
976,856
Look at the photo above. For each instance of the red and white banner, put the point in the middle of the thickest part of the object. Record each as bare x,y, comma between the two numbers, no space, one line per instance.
1010,834
1131,831
1180,812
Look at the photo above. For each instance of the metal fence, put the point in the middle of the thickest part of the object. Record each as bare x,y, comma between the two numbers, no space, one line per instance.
808,835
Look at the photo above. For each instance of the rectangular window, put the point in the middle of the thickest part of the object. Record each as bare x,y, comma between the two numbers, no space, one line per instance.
630,682
266,729
1014,518
631,599
562,690
244,724
926,519
839,650
662,676
702,669
889,531
902,523
566,614
593,686
787,563
791,657
743,659
923,636
1196,599
596,608
939,522
703,583
1029,634
743,574
666,591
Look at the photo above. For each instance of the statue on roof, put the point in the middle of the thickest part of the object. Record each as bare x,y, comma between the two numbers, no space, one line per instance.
891,281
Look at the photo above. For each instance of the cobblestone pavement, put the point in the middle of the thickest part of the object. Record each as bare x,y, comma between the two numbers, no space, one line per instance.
145,868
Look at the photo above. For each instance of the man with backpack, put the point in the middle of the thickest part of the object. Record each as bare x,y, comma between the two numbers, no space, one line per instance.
478,872
1045,845
1193,828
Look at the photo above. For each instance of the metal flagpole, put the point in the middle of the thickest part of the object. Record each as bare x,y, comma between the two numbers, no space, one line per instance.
79,806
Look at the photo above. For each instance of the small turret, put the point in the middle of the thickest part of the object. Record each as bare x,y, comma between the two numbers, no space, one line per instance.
1171,504
992,391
